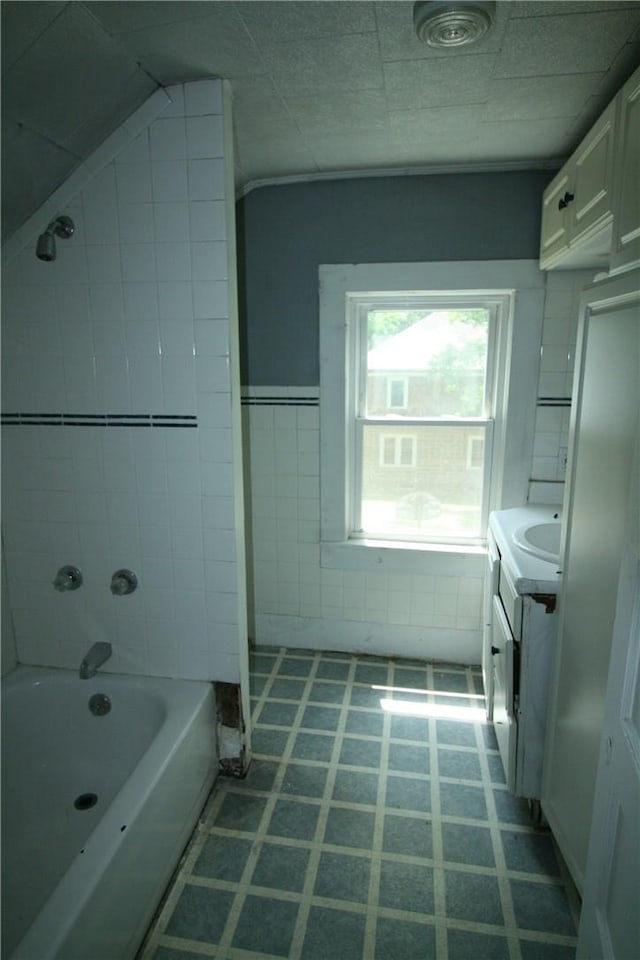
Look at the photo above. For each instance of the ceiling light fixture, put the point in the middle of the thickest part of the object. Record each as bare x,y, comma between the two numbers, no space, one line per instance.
447,23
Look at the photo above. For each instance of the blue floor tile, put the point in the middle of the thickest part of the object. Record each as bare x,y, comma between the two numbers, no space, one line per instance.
465,945
293,819
285,688
333,934
260,775
404,756
332,670
304,780
456,732
322,692
373,673
410,728
313,746
464,844
461,800
473,897
531,950
266,925
365,697
511,809
342,877
321,718
406,886
281,867
459,765
200,914
404,940
364,722
269,742
530,853
278,714
415,679
352,787
293,667
541,906
411,836
349,828
360,753
240,812
223,858
450,682
408,793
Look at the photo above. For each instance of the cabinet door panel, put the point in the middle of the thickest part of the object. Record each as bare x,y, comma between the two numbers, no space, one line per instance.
591,207
554,236
626,236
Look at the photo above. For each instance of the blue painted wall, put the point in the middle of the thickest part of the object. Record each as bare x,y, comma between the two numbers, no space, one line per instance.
285,232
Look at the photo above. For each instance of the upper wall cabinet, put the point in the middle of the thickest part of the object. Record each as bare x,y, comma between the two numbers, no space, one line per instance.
625,251
590,210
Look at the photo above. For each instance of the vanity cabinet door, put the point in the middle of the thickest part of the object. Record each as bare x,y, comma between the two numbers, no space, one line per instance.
504,721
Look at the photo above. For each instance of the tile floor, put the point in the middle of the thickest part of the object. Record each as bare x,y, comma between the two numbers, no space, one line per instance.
374,824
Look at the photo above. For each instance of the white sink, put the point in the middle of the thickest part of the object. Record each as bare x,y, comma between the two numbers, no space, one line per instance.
539,539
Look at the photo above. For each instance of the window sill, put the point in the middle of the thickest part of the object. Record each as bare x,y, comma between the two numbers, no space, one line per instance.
384,556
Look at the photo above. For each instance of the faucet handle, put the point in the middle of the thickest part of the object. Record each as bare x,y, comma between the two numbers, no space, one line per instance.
68,578
123,582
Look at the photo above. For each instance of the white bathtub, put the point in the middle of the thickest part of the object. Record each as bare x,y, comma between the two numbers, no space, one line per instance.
84,883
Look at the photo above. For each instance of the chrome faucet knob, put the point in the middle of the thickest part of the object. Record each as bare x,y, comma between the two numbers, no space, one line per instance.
67,578
123,582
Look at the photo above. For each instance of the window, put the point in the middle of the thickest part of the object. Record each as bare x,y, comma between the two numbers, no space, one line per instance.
397,450
445,344
397,390
428,381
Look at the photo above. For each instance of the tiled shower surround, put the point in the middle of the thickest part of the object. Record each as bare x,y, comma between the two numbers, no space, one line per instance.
121,417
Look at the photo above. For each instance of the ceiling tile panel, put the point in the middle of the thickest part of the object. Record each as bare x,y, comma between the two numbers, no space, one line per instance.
313,66
118,17
216,45
522,140
284,21
537,98
552,46
344,111
89,54
433,83
19,32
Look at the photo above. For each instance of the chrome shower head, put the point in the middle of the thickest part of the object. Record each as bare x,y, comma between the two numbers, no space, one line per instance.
60,227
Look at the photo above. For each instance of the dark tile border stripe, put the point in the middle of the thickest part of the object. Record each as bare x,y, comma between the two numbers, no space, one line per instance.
99,420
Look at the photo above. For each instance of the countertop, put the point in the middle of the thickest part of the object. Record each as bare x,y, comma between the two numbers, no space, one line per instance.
530,574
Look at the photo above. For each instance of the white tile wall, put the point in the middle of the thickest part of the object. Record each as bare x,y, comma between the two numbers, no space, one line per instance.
295,600
132,317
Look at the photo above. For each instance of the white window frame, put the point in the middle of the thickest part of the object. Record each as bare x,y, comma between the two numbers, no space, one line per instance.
498,306
516,391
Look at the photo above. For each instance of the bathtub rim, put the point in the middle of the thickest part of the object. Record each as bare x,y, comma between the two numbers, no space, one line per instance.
47,934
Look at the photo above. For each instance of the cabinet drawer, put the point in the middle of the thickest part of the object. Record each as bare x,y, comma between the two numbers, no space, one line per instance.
511,601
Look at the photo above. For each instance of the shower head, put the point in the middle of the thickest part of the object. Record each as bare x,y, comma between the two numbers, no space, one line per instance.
60,227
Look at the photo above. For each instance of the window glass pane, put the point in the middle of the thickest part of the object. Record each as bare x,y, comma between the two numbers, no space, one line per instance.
426,363
424,483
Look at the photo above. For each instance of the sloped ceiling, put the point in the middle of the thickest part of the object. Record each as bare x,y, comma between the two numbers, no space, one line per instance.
319,87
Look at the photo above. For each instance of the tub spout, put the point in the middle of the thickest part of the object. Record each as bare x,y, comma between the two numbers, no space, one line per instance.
93,659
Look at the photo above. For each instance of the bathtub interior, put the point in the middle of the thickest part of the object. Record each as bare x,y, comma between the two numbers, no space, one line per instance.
46,835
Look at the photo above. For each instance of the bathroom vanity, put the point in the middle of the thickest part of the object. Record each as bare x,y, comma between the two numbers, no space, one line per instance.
520,631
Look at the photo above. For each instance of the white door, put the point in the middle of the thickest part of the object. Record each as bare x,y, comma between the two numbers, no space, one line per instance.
610,921
604,427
